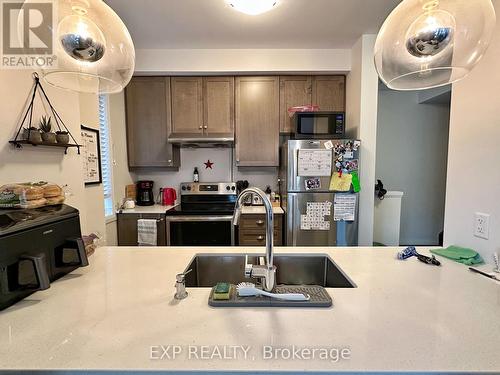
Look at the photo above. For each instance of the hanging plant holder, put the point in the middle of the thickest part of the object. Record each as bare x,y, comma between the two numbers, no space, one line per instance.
27,134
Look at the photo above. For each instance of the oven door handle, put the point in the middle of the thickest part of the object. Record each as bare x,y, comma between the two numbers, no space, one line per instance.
181,219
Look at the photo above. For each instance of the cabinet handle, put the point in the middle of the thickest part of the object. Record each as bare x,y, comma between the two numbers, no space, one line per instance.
169,161
260,238
200,127
259,222
205,127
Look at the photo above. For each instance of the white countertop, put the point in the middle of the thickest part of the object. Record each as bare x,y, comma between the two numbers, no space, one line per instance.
159,209
248,210
403,316
155,209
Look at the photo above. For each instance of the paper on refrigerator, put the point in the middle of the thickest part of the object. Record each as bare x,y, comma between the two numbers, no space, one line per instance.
314,163
316,216
344,207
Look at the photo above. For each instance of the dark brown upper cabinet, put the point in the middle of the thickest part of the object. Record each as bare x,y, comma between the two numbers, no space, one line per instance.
328,92
148,108
257,121
294,91
203,105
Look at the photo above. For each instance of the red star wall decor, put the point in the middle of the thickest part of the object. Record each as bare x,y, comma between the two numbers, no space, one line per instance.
208,164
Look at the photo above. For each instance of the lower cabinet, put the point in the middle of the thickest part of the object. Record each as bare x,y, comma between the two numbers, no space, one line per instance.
252,230
127,228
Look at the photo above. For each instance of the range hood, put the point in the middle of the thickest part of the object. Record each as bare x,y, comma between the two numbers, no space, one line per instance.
203,141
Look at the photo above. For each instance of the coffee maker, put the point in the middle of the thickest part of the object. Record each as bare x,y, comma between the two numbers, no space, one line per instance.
145,196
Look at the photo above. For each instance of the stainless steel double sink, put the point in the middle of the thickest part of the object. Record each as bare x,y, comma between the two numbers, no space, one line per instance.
296,269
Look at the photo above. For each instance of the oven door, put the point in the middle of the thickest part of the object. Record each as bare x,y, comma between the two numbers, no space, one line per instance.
200,230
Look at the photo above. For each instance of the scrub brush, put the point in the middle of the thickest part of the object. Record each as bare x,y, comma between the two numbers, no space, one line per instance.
249,289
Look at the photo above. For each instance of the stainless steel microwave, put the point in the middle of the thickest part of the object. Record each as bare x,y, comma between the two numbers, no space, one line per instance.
319,125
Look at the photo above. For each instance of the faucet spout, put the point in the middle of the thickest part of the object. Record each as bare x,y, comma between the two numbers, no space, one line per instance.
267,272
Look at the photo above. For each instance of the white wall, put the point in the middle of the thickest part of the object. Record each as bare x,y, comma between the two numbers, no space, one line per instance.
214,61
93,194
47,164
221,170
361,118
474,156
412,141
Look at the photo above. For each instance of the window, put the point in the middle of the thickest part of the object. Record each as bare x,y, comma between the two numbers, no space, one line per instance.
107,175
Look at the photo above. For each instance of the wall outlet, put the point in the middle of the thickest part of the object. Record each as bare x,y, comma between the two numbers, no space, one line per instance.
482,225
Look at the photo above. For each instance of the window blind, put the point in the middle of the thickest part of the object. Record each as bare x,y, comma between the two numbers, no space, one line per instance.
106,165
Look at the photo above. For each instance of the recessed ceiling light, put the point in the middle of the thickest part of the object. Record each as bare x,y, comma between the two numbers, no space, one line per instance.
253,7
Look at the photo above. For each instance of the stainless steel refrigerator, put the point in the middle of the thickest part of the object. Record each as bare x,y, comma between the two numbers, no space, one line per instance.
317,214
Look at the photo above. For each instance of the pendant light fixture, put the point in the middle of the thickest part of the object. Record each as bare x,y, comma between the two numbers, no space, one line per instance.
93,48
432,43
253,7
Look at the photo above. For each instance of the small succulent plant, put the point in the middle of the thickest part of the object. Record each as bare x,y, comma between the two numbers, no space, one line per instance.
46,124
61,132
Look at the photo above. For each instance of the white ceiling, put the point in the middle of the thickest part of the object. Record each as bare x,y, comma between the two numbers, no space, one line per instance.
214,24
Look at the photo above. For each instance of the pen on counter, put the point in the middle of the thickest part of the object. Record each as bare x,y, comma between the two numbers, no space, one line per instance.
484,273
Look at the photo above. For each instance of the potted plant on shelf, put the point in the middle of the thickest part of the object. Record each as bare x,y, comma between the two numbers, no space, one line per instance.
45,128
62,137
32,135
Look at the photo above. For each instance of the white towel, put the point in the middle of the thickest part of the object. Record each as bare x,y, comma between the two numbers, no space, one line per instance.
146,232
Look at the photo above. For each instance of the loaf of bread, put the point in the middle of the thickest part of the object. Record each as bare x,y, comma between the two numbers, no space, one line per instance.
31,193
51,191
34,203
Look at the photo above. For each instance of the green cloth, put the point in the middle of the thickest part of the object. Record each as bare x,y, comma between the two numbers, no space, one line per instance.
460,254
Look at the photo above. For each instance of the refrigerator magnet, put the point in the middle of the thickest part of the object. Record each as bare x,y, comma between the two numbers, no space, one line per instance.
328,145
313,184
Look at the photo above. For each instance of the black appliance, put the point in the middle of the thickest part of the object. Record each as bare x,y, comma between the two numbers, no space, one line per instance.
145,196
204,217
37,246
319,125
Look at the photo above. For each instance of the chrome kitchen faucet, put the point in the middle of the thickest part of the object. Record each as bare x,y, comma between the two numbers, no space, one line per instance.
265,272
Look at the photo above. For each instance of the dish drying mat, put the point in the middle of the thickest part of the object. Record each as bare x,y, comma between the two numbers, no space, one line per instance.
319,298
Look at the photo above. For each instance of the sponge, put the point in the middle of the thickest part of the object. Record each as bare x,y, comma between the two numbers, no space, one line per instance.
222,291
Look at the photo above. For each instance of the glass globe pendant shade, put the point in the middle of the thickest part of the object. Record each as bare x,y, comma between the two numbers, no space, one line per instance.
432,43
93,48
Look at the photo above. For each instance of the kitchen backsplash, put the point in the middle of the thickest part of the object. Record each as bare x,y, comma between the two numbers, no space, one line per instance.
223,169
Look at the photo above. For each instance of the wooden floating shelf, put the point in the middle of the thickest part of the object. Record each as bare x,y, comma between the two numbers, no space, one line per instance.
21,143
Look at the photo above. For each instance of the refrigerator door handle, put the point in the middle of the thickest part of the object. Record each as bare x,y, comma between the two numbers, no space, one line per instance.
294,215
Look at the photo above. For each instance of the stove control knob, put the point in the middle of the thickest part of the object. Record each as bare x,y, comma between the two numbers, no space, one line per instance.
189,188
233,188
228,188
184,188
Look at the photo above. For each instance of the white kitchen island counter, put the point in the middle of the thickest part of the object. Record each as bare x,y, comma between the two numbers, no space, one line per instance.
403,316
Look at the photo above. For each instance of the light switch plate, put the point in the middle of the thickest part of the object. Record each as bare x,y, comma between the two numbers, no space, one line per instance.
482,225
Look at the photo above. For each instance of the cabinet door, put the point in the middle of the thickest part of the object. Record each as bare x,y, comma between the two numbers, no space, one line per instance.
257,121
148,123
218,105
187,105
127,229
294,91
329,93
